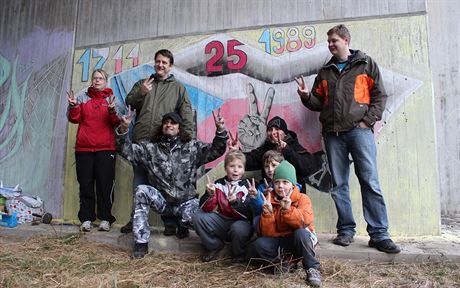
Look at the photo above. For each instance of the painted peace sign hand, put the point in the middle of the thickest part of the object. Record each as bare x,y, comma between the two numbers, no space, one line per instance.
302,88
253,127
210,187
219,120
231,195
267,207
126,119
71,98
252,190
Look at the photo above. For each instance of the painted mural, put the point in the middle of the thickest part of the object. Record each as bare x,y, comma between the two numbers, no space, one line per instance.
250,76
250,79
31,114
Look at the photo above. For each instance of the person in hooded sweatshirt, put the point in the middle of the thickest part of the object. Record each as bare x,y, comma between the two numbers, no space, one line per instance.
96,114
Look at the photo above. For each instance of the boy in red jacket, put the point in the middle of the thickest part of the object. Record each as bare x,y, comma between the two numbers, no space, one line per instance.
225,211
286,225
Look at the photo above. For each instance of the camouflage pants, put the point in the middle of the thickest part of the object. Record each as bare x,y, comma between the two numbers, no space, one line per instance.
149,197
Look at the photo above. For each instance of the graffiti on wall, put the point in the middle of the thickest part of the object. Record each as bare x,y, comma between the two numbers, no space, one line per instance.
31,83
250,75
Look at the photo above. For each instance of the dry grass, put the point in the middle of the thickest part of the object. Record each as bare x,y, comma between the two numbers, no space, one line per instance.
73,262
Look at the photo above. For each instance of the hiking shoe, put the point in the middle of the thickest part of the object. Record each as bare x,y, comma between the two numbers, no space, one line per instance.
343,240
140,250
86,226
104,226
182,232
313,277
169,230
128,228
387,246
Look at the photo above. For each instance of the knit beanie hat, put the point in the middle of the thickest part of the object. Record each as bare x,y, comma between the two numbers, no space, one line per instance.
278,122
285,171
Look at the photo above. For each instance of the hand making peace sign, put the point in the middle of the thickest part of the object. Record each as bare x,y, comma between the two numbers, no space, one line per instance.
111,105
302,88
232,143
285,203
210,187
252,190
267,206
231,195
147,86
126,119
219,120
281,144
71,98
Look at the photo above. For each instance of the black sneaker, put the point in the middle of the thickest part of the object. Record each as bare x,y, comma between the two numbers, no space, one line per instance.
387,246
182,232
313,277
128,228
169,230
343,240
140,250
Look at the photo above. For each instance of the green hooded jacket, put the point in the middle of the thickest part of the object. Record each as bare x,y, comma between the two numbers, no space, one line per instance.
166,96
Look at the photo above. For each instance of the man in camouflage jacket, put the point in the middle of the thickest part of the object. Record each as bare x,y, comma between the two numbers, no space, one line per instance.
171,162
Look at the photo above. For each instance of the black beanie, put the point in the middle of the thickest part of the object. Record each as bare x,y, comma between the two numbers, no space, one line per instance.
278,122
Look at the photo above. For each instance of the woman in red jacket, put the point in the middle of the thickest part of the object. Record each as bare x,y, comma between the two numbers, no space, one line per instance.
96,116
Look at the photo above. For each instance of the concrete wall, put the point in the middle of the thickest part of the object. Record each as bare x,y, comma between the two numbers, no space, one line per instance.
444,27
123,36
36,46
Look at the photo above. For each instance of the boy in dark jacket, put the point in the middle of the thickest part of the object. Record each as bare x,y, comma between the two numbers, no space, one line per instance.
225,212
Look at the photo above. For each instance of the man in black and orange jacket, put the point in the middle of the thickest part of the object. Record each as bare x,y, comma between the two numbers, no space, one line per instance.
349,93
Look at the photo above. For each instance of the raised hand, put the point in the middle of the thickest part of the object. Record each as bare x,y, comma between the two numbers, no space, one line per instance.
71,98
268,188
126,119
280,143
147,86
285,203
232,143
231,195
111,105
210,187
252,190
267,206
302,88
219,120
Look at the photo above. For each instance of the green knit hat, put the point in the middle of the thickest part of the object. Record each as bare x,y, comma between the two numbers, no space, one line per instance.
285,171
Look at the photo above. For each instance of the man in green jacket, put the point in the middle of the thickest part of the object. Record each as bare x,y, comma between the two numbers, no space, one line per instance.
152,98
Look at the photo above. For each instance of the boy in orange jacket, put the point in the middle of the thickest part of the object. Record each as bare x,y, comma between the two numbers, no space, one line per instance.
286,226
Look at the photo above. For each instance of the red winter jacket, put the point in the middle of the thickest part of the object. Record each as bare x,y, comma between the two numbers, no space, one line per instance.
96,123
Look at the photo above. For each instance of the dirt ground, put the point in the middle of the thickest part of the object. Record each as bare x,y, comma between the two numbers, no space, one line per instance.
73,262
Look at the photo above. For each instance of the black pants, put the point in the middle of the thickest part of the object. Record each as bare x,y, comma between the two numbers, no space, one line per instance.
96,168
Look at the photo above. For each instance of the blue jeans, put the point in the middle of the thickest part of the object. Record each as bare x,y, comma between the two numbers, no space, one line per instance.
360,144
